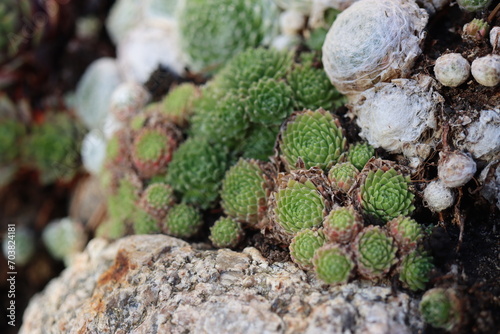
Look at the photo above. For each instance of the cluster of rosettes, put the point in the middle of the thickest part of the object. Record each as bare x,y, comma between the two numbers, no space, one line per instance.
52,146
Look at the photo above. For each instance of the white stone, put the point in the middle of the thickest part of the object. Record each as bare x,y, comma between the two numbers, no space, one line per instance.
452,69
495,38
455,168
303,6
438,197
373,41
128,99
291,22
92,96
482,137
148,46
93,151
486,70
395,115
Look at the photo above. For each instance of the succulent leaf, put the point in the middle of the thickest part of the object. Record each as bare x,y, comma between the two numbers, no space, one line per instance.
342,224
385,194
303,246
226,232
182,221
196,171
375,252
332,264
315,137
415,269
243,192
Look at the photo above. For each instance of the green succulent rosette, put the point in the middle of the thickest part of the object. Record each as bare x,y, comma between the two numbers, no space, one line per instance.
111,229
145,223
440,308
375,252
54,148
11,133
252,65
414,270
196,171
473,5
151,151
211,32
359,154
342,176
312,89
182,221
303,246
406,231
117,150
178,105
220,119
333,264
226,232
269,102
385,194
156,199
259,142
122,201
313,137
244,193
342,224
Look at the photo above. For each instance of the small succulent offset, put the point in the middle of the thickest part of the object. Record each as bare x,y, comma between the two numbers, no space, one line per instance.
196,171
182,221
152,150
64,238
303,246
406,231
359,154
123,199
342,176
226,232
244,193
312,89
313,137
414,270
333,264
342,224
473,5
145,223
214,31
269,102
384,193
54,146
156,199
441,308
11,133
177,106
296,205
375,252
259,143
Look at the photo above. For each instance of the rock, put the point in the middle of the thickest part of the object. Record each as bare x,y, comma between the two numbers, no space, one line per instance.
156,283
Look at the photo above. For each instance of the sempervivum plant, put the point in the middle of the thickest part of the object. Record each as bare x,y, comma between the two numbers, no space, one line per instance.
64,238
196,171
342,176
375,252
269,102
441,308
226,232
54,146
145,223
406,231
384,192
299,202
303,246
414,270
182,221
156,199
259,143
252,65
213,31
152,150
333,264
11,132
117,150
313,137
312,88
342,224
359,154
244,192
178,104
123,199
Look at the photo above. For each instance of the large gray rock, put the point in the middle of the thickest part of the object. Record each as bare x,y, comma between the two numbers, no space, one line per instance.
158,284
